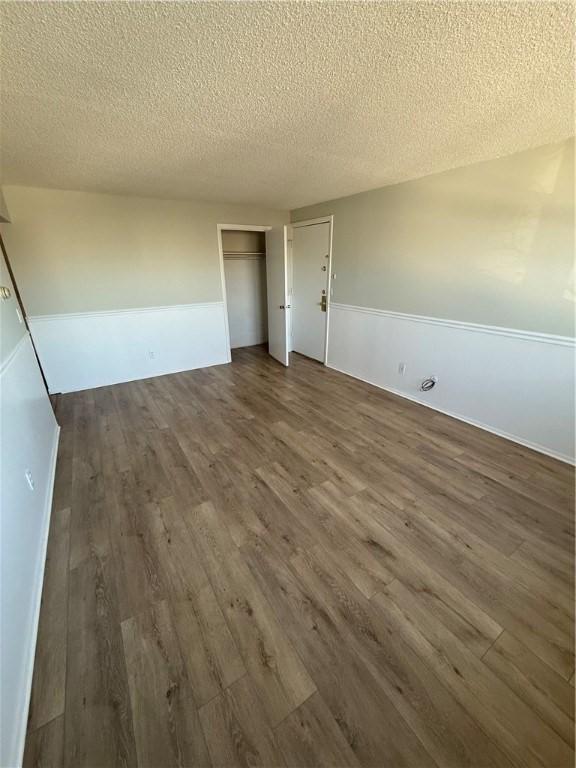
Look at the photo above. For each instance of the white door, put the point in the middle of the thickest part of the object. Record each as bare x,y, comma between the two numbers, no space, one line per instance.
276,281
310,271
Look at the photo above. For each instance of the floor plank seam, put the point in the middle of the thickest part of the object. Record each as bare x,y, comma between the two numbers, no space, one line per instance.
492,644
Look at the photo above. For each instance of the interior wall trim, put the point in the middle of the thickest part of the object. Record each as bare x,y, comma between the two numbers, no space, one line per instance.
130,311
545,338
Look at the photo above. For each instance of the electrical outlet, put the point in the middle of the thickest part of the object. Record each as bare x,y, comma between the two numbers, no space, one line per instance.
151,354
29,479
401,368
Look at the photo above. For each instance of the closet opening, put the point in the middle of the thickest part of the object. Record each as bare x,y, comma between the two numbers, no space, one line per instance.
243,254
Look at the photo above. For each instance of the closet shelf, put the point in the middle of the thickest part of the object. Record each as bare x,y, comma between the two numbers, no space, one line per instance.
243,253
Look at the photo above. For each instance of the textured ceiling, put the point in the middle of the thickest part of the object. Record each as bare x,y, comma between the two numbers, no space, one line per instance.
282,104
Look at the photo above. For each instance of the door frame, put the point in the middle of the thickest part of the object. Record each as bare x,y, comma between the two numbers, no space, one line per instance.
22,312
308,223
219,229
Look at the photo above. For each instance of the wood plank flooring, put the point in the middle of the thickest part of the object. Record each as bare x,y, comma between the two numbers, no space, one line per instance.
253,566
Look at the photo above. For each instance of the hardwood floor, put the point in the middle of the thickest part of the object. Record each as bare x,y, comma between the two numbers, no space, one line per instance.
253,566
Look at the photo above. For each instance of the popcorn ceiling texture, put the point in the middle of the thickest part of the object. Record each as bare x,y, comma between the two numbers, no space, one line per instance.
283,104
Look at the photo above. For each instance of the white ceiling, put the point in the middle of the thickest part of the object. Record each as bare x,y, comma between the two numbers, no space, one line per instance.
277,103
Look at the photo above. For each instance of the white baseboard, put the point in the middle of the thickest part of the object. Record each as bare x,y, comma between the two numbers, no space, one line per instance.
480,425
29,438
516,384
95,349
37,600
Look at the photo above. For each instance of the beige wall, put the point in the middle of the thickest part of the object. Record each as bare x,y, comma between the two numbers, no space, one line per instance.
491,243
82,252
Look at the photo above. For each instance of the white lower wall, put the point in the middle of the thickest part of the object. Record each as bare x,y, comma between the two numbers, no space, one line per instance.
94,349
514,383
29,438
